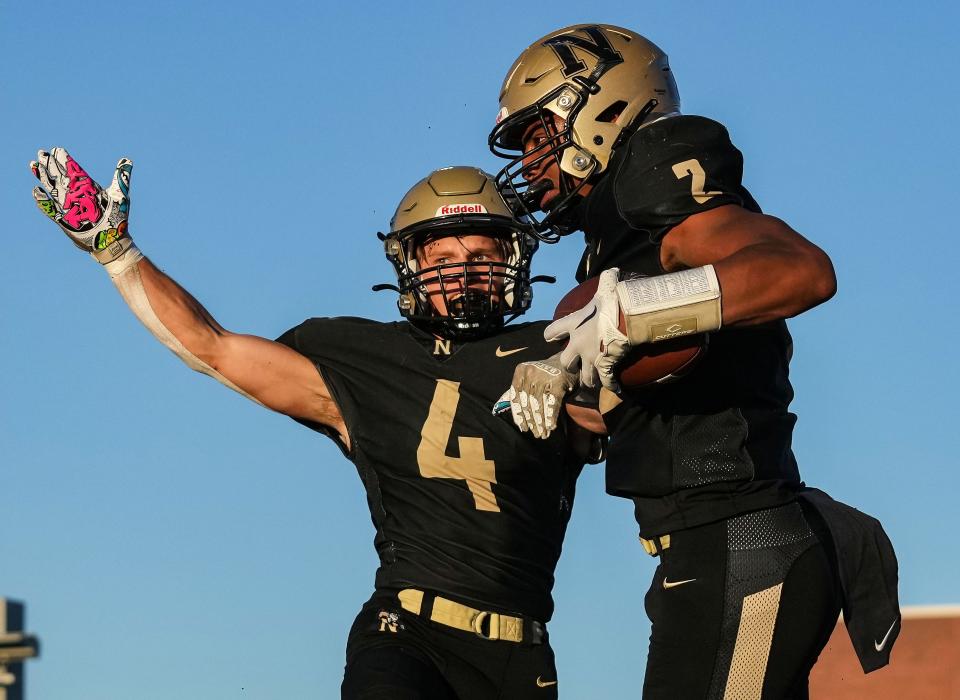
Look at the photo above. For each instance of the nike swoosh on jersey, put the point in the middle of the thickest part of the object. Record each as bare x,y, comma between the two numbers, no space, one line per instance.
544,684
504,353
673,584
883,642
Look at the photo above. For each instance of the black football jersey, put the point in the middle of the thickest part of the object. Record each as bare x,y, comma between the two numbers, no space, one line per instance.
463,503
717,442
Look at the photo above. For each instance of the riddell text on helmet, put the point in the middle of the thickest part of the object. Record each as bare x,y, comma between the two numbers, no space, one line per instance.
448,209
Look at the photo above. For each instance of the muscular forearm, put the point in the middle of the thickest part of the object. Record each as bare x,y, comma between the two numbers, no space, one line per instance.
186,319
765,282
174,317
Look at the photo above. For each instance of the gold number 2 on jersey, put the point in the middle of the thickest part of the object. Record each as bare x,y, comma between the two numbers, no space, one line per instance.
472,465
698,178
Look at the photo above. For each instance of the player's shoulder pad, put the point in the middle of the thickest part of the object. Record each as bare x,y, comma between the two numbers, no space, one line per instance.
322,334
676,167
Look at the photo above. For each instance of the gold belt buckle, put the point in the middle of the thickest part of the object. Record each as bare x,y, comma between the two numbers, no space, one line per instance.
482,617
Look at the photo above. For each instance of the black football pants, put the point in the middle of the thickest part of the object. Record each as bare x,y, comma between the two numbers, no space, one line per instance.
395,655
741,608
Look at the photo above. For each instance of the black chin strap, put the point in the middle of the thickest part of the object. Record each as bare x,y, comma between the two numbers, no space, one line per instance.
535,191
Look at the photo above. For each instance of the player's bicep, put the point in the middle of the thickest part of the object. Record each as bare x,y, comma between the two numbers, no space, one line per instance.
278,377
711,236
767,271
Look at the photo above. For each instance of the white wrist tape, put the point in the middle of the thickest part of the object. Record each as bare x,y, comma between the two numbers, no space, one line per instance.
128,282
129,257
668,306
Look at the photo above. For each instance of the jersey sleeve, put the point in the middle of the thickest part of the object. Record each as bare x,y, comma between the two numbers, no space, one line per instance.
327,343
674,168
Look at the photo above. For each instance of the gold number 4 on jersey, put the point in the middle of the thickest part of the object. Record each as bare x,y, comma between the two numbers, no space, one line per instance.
472,465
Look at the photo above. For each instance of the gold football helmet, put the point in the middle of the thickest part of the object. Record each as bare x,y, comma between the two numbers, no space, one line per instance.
590,86
459,200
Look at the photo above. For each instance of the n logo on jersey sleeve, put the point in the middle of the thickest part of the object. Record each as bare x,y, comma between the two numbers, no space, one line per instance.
596,44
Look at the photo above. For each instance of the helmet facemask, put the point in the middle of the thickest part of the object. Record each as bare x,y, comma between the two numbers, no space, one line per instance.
514,180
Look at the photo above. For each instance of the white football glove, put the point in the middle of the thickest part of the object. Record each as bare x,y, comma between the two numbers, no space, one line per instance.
93,218
536,395
595,341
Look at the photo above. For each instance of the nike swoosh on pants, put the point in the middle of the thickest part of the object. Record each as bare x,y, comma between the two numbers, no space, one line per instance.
672,584
883,642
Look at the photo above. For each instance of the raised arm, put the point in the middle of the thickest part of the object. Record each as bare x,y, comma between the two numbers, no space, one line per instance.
96,221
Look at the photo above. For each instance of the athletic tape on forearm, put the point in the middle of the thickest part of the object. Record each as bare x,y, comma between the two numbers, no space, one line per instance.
668,306
128,282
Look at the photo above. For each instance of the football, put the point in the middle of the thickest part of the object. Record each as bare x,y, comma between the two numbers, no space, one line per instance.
653,363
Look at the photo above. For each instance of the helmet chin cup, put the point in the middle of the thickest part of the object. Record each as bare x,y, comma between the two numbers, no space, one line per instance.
470,302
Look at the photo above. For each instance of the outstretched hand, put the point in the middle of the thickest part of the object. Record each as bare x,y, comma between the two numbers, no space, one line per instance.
93,218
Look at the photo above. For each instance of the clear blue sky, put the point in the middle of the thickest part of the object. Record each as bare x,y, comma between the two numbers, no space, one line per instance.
173,540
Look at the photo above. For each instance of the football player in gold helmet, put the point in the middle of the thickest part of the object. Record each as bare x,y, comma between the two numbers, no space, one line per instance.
469,513
462,299
568,101
745,595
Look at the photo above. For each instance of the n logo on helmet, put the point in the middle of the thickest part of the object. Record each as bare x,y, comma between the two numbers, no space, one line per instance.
596,44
